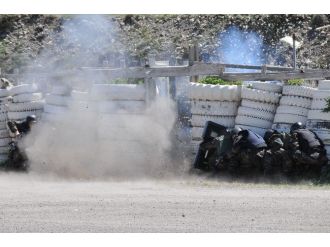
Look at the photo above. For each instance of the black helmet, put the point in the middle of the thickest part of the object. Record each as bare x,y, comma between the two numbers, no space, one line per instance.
296,126
236,130
269,133
31,119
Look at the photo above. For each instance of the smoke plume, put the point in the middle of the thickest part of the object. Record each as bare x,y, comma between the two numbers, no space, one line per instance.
240,47
87,143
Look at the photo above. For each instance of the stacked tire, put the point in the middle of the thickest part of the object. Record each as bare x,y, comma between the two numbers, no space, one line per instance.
25,100
80,101
57,101
118,98
318,119
294,106
217,103
258,106
4,134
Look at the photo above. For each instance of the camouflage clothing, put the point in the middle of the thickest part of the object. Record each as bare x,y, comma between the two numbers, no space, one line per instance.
276,159
247,153
308,153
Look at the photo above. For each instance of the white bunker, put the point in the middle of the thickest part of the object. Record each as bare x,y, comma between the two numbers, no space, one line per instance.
318,119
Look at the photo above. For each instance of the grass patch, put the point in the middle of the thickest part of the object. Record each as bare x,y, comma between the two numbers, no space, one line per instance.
127,81
295,82
216,80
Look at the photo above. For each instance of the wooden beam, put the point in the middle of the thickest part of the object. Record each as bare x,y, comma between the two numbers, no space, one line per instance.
204,69
197,69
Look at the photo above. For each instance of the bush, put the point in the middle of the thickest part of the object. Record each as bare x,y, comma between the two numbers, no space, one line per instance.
216,80
295,82
327,109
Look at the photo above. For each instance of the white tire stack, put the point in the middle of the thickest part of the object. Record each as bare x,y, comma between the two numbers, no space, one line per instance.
258,106
318,120
57,101
26,100
294,106
4,134
118,98
217,103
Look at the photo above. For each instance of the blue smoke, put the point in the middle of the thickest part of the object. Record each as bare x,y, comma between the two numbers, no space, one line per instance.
240,47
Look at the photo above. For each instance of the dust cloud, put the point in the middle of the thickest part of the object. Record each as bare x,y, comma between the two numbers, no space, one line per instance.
86,143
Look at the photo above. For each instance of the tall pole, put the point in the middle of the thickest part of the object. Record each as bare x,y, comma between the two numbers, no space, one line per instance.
294,51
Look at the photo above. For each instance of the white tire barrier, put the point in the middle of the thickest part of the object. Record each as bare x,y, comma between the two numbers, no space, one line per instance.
260,95
259,105
3,125
55,109
4,133
318,104
296,101
4,93
324,85
118,92
60,100
267,86
321,94
196,133
302,91
3,108
324,136
76,105
3,157
27,97
285,109
4,142
24,88
254,122
214,92
216,108
78,95
5,100
120,106
194,145
199,121
282,127
259,131
319,115
20,115
28,106
4,150
318,124
247,111
3,117
60,90
289,118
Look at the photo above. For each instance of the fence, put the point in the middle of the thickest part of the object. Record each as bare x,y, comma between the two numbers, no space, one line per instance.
193,69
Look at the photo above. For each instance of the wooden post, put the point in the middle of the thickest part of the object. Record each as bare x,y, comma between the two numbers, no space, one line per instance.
152,60
123,62
172,80
150,86
16,75
294,55
193,57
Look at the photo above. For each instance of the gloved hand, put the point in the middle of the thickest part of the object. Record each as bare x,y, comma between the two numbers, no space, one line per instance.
315,155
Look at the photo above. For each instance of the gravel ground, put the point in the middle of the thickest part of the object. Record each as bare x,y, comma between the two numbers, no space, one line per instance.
31,203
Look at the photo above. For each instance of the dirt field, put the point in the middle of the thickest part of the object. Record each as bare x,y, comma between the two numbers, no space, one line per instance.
30,203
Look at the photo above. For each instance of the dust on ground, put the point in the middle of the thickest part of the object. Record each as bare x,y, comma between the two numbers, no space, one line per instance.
35,203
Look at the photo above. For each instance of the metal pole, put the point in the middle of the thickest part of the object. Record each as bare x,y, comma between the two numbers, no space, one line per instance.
294,51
